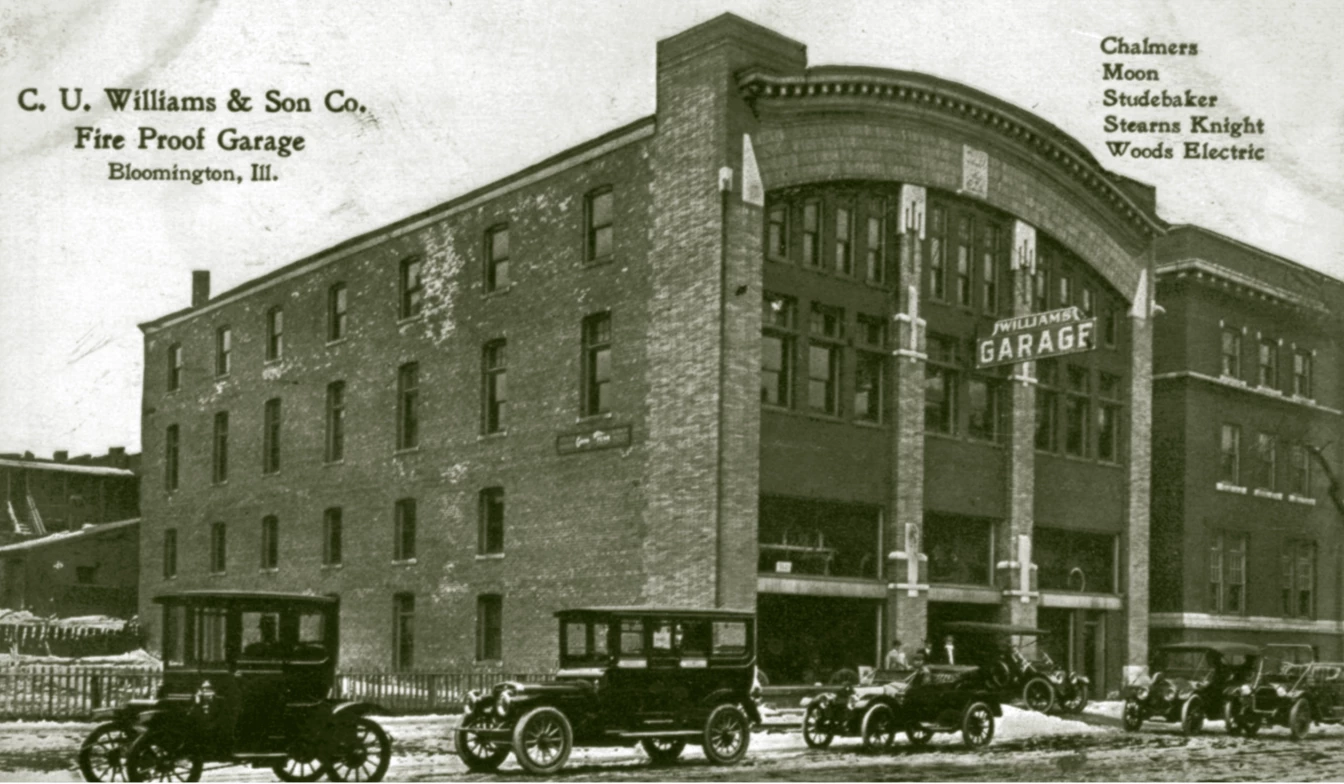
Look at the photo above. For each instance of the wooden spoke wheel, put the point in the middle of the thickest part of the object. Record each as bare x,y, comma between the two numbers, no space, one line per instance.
542,741
815,734
102,755
663,751
727,735
361,751
478,755
977,725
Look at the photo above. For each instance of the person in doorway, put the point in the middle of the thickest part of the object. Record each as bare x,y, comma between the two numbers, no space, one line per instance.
924,655
895,658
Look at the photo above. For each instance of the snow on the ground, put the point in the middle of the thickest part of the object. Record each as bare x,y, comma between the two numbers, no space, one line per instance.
139,658
1018,723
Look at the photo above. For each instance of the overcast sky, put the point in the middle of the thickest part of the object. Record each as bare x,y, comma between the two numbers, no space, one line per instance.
464,92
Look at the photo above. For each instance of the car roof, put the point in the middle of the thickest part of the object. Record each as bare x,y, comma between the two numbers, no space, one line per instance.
1224,648
644,610
246,596
982,627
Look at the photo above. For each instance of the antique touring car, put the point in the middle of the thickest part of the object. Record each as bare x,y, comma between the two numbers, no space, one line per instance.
657,677
1189,683
246,678
1020,668
1287,695
921,702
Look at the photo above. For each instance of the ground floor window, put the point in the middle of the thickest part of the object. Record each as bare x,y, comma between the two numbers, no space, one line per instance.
816,639
403,631
821,538
960,548
489,627
1074,560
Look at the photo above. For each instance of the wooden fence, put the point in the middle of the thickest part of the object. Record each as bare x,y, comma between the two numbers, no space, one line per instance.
73,693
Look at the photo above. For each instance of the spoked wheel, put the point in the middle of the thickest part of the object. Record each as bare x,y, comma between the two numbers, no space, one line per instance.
304,767
977,725
1239,720
542,740
478,755
158,756
1133,715
361,751
1192,716
879,728
663,751
918,734
1299,719
813,734
1076,701
102,756
1039,695
727,735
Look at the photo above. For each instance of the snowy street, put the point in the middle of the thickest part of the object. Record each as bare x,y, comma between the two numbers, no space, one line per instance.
1026,747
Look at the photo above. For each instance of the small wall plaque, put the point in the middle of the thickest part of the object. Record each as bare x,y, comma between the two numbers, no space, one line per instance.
591,440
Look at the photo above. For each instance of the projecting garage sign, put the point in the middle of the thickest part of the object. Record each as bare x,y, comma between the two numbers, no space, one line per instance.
1052,333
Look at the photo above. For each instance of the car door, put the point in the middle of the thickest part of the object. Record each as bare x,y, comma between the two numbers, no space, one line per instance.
262,689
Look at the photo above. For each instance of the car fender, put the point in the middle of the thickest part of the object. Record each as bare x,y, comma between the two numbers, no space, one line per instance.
722,696
353,710
169,720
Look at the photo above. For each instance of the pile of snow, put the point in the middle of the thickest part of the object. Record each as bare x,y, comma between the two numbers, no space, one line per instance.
139,659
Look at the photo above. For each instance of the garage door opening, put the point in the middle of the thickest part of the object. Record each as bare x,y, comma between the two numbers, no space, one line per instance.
815,639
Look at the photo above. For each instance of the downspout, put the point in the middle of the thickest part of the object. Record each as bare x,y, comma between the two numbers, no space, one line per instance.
725,193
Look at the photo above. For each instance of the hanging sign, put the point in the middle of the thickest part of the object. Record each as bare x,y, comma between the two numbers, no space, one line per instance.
1051,333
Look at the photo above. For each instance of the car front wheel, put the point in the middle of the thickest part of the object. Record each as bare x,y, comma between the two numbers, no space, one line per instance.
813,734
1192,716
663,751
542,740
977,725
158,756
879,728
1077,699
918,734
360,751
479,756
102,756
1039,695
727,735
1133,715
1299,719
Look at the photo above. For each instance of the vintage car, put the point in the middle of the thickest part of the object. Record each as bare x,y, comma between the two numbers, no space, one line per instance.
654,676
1014,663
1189,683
1289,695
246,681
919,702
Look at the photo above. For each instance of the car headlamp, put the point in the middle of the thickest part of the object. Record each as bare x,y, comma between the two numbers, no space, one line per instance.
806,701
1142,693
1279,690
473,697
1244,690
502,704
1167,691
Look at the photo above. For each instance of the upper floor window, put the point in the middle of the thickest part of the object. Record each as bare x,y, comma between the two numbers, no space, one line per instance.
1086,303
812,233
964,251
1298,565
489,627
223,351
1108,418
275,333
937,234
844,240
218,548
875,249
1077,410
174,366
408,405
823,359
1110,325
496,381
412,287
331,536
1302,373
598,219
1299,481
1269,363
403,530
596,364
219,457
942,373
1266,454
870,369
270,542
169,553
270,437
985,408
990,249
336,311
1231,353
490,534
497,258
334,440
403,631
1229,469
1040,285
171,452
1227,573
1047,405
1064,285
777,232
778,327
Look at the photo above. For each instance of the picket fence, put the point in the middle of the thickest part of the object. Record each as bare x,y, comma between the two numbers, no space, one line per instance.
72,693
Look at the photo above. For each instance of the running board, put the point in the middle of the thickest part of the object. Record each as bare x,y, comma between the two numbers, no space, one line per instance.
657,734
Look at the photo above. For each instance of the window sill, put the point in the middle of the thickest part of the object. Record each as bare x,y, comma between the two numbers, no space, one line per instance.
332,463
222,376
269,570
331,567
1272,495
172,392
605,416
337,341
170,578
405,320
493,436
1233,380
498,291
408,450
405,562
1299,499
219,574
1228,487
1270,390
602,262
220,483
869,423
489,556
272,361
269,474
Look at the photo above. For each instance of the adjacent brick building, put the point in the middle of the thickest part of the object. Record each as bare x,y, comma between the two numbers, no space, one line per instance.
721,356
1246,536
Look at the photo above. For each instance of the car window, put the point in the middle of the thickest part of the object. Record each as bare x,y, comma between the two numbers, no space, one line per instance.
174,634
312,641
730,638
632,638
662,637
692,638
209,627
261,635
585,642
576,639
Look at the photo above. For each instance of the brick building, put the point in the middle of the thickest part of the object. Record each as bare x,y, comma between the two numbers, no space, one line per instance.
64,493
1246,537
721,356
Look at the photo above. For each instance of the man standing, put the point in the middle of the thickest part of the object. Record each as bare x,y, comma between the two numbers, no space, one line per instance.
949,650
896,657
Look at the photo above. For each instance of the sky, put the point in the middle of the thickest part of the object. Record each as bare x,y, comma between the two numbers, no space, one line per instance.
456,94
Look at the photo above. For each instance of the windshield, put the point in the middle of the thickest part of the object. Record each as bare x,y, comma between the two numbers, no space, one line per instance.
584,643
1192,665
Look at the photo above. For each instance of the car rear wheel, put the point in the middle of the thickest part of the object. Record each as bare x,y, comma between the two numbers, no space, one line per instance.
1192,716
478,755
542,740
813,735
918,734
1039,695
977,725
879,728
1299,719
159,756
727,735
663,751
1132,716
102,756
1239,720
1076,701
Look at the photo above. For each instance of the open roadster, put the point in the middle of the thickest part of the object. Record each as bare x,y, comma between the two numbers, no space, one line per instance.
656,677
1287,695
919,702
1189,683
1014,663
246,680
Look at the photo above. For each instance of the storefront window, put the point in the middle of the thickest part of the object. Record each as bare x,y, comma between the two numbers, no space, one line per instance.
1074,560
959,548
818,538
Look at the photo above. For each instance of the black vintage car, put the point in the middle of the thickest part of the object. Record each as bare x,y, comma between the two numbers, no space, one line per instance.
1014,664
919,702
655,676
246,679
1189,683
1288,695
